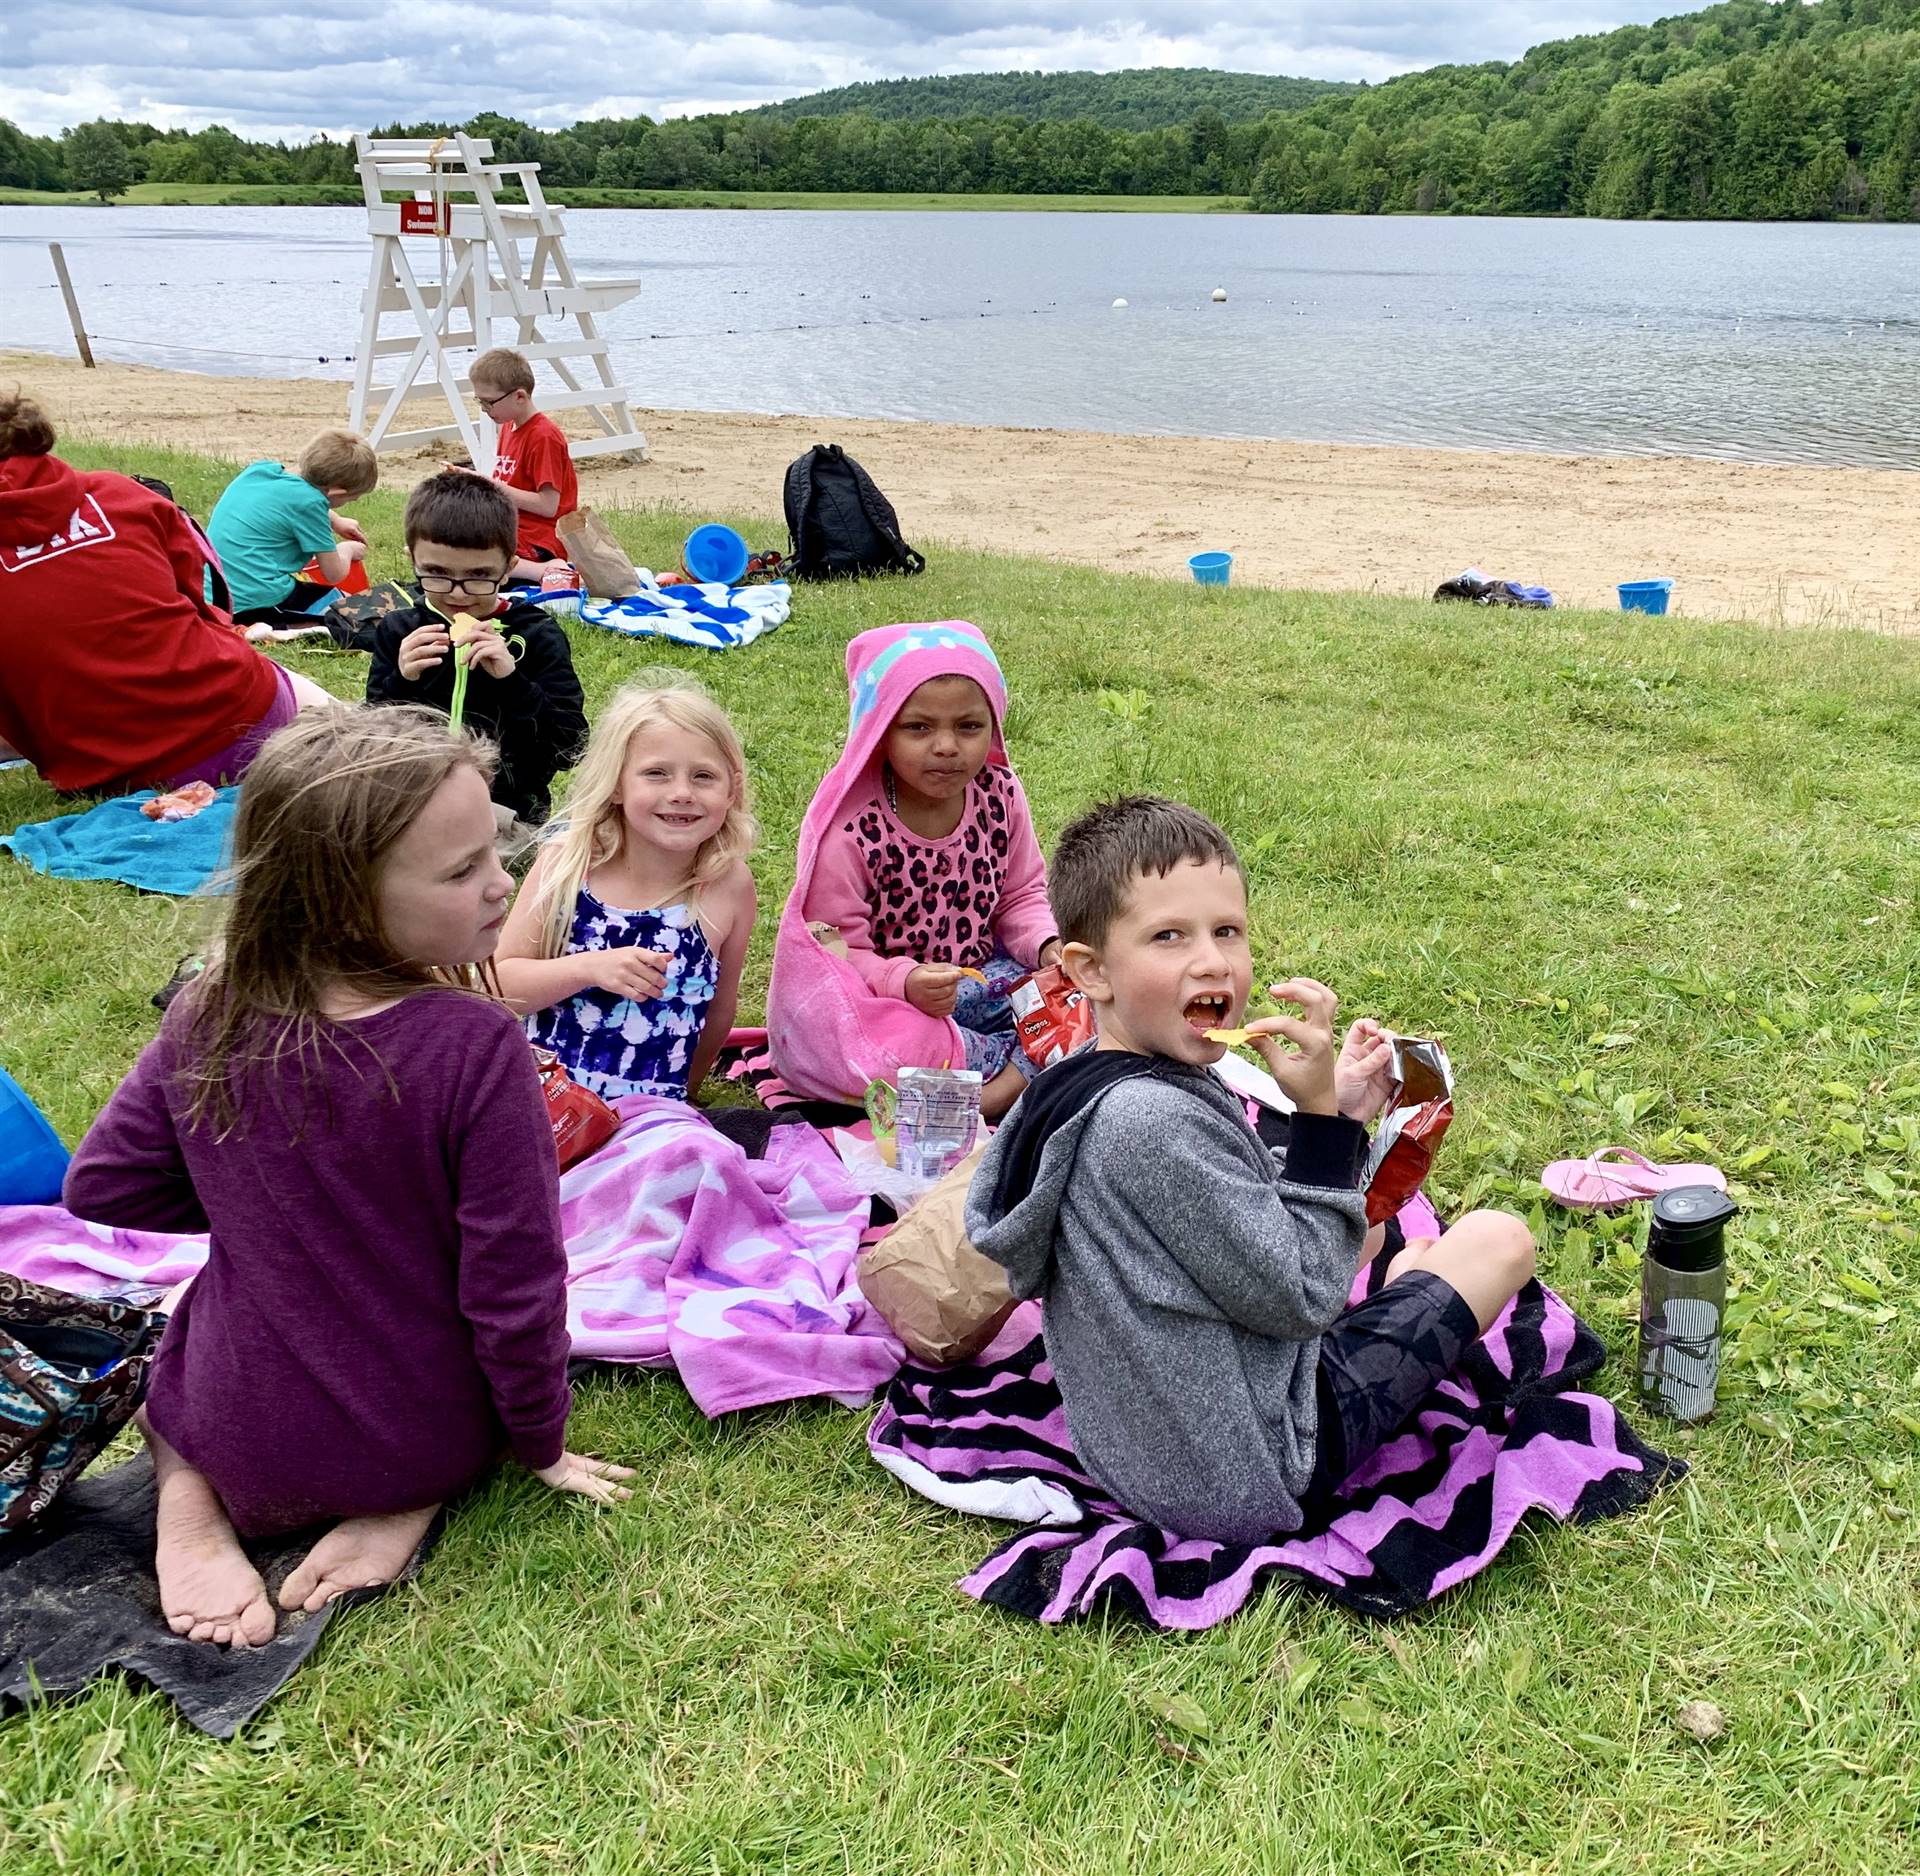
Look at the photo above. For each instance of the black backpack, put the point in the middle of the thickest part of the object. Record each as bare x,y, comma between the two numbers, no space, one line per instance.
217,589
839,523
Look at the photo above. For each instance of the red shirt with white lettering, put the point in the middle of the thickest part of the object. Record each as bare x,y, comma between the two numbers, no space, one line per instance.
534,456
115,669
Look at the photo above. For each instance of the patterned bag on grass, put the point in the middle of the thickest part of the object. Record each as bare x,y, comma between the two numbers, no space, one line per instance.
72,1371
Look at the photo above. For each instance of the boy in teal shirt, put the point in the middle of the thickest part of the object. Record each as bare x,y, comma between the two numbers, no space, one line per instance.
272,520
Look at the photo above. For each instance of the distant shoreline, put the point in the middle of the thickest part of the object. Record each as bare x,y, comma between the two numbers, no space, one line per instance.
281,195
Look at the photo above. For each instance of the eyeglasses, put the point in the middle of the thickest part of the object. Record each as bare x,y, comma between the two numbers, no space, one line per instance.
487,403
446,583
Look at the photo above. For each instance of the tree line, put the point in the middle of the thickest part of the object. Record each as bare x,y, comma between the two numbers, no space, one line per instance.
1762,109
1149,98
1750,110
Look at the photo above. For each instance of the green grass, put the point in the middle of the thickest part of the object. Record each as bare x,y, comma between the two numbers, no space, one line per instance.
288,195
1653,881
827,199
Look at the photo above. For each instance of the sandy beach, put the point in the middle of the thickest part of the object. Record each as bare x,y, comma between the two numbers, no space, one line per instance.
1775,545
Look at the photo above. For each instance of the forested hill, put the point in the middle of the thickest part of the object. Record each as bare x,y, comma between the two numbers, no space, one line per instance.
1751,110
1758,109
1147,99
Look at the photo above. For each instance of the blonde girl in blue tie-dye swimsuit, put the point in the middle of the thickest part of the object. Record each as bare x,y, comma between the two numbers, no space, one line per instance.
624,948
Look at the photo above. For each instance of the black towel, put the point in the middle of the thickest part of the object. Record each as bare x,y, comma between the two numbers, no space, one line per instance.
78,1596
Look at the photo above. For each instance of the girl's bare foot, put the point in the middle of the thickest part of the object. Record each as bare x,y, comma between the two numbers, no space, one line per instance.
358,1553
209,1591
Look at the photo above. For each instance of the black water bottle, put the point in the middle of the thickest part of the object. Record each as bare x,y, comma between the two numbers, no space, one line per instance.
1683,1295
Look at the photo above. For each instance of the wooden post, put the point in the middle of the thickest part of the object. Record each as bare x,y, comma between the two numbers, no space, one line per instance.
73,305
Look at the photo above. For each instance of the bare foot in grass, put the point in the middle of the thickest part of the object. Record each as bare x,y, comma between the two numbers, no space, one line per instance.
209,1590
358,1553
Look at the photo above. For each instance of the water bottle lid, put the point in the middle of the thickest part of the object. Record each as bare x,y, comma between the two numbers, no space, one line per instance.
1687,1226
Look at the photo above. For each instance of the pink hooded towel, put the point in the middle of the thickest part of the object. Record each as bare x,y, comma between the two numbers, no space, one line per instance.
831,1036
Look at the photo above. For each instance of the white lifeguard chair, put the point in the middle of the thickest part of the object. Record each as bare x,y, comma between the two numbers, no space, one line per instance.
449,188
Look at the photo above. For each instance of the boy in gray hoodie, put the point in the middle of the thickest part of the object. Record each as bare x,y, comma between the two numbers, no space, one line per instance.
1195,1282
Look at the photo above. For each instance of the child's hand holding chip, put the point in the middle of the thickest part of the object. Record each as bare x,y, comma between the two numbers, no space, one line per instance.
489,651
934,989
1304,1071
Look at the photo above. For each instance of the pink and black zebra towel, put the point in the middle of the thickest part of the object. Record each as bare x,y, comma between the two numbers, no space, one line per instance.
1506,1434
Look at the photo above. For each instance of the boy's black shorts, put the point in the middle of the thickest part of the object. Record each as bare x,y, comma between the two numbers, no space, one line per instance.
1378,1362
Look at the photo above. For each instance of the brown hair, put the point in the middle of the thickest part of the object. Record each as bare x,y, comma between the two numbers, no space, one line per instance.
323,804
503,368
1102,853
339,459
467,512
25,429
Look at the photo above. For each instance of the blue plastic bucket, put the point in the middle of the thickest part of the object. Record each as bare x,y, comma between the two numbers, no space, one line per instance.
32,1160
714,555
1645,596
1211,569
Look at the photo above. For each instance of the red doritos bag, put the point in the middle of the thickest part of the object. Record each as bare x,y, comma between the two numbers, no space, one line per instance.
1050,1016
582,1122
1419,1111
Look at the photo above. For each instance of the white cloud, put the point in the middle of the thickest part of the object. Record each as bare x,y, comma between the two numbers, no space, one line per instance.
359,62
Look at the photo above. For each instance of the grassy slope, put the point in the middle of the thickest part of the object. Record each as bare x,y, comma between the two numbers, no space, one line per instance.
823,199
196,195
1646,877
247,195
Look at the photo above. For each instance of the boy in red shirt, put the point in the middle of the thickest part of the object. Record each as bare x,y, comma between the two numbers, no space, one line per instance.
531,459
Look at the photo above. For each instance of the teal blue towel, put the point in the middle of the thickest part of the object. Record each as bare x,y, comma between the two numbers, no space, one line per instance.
114,840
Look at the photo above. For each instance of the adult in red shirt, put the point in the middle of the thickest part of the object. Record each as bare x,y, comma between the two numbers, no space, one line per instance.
531,460
115,670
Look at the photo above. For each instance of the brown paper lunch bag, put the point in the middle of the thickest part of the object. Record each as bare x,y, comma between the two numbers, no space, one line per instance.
601,562
943,1299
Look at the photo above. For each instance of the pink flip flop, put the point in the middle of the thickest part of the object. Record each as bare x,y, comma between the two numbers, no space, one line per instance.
1616,1176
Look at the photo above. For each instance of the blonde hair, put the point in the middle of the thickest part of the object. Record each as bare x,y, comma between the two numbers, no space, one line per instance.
502,367
323,804
595,829
339,459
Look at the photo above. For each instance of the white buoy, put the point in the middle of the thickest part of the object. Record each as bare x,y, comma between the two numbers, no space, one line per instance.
1119,305
1219,296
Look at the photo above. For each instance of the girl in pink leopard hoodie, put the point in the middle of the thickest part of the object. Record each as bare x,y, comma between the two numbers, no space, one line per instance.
921,894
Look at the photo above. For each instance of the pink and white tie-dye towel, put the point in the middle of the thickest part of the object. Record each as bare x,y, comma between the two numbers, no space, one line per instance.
682,1252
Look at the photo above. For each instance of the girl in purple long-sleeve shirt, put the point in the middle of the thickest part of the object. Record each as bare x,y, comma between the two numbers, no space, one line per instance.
382,1311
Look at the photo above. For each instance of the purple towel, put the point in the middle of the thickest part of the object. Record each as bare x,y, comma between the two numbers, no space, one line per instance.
1501,1436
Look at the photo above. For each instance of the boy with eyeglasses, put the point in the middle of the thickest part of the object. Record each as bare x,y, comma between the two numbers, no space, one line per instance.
531,460
522,691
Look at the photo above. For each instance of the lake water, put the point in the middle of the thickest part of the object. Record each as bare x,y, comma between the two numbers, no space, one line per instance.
1743,341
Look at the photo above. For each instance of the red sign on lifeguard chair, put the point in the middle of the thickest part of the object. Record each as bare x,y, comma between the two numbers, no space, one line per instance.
417,217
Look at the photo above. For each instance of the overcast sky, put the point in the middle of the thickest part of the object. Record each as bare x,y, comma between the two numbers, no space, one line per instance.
352,63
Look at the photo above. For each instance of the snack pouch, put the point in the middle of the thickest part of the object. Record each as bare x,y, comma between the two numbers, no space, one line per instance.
182,804
582,1122
1418,1113
1050,1016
